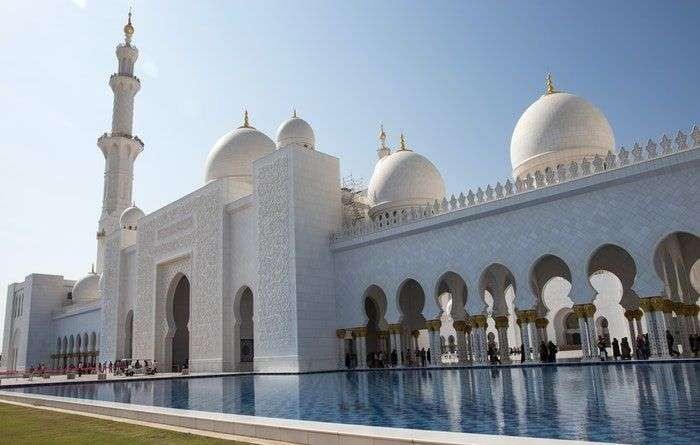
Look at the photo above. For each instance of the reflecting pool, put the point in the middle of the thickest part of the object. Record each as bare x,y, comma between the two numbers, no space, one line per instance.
644,403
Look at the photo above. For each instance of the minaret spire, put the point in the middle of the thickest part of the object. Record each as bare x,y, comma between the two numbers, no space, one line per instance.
120,147
128,29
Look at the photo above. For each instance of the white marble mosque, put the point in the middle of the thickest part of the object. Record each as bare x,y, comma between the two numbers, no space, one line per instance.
274,265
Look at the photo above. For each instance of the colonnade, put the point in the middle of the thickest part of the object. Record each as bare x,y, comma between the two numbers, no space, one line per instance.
658,314
72,350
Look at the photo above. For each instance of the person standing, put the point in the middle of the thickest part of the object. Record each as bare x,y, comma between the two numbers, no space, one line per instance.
553,349
616,349
625,349
602,348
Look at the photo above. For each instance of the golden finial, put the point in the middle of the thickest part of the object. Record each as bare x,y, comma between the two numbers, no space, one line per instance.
402,142
246,123
92,269
382,136
294,114
550,85
128,29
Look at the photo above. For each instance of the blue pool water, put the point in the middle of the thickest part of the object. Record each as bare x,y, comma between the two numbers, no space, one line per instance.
645,403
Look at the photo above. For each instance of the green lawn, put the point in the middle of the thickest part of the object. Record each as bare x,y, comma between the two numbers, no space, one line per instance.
20,425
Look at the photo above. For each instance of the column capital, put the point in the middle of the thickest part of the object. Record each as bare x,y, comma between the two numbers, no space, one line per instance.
652,304
584,310
395,328
541,322
667,306
479,321
433,325
633,314
525,316
460,325
359,332
340,333
679,308
501,321
415,333
693,310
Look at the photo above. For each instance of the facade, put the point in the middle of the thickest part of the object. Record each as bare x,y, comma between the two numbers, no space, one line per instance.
272,265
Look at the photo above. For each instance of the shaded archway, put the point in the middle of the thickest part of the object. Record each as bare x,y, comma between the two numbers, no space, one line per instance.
411,301
180,349
244,329
375,306
550,281
129,335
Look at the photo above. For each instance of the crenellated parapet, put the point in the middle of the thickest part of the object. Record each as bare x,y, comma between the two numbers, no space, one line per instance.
624,158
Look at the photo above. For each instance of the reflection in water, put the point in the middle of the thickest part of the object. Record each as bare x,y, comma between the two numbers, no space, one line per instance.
633,403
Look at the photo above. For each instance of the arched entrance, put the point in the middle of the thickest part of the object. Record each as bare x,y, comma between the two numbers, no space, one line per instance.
244,330
181,317
375,306
129,335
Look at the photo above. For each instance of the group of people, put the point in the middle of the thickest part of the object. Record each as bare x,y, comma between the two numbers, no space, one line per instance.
623,351
420,357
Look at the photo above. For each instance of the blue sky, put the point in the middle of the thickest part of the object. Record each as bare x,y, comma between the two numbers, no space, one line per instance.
454,76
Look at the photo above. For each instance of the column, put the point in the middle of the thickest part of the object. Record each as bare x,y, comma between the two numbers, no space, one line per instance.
361,346
395,338
521,320
434,332
340,335
461,329
656,326
480,337
580,312
530,316
502,329
630,315
681,311
592,334
470,342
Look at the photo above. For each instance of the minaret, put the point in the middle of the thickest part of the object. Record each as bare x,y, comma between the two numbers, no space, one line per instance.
120,147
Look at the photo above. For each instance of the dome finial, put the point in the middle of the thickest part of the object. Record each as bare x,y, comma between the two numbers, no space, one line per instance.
550,85
128,29
246,122
382,137
92,269
402,142
294,113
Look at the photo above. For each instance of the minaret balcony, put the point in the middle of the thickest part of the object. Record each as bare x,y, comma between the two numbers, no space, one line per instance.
122,137
123,81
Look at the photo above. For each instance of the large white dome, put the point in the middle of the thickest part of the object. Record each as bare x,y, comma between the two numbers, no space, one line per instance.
296,131
232,156
557,129
86,288
403,179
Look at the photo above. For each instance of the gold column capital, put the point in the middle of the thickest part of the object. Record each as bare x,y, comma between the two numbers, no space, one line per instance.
541,322
460,325
340,333
479,321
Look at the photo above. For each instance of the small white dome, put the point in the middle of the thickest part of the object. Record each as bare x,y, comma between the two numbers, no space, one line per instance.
232,156
296,131
87,288
129,218
403,179
556,129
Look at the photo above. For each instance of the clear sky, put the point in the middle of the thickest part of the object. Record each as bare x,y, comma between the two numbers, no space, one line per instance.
454,76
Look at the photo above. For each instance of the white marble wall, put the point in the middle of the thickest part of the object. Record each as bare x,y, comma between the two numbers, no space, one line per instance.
634,208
